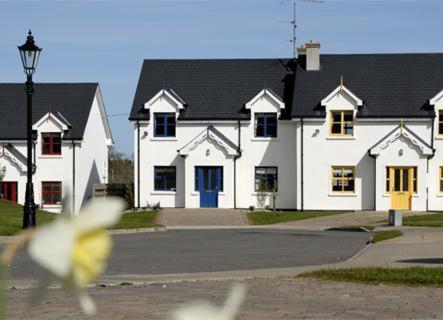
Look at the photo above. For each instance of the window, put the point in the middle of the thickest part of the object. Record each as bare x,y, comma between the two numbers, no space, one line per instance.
51,143
266,179
399,177
342,123
441,178
164,179
51,192
266,125
164,124
343,179
440,122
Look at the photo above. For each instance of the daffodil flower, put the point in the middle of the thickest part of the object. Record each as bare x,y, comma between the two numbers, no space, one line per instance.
206,311
75,249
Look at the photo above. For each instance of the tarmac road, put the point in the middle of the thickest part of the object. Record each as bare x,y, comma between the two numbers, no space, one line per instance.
192,251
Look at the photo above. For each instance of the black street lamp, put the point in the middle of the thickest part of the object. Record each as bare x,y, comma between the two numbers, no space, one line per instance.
29,54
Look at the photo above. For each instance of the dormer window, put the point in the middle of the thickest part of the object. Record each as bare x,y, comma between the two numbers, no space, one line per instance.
164,124
266,125
440,122
342,123
51,143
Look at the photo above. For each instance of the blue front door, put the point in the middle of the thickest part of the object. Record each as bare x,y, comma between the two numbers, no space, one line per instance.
209,183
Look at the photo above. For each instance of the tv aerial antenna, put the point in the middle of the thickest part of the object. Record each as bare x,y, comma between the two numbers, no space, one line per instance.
293,22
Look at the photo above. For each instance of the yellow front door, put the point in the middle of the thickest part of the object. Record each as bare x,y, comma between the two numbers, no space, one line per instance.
401,185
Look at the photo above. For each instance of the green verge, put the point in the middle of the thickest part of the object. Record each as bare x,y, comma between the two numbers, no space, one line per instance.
263,218
386,235
428,220
413,276
11,218
135,220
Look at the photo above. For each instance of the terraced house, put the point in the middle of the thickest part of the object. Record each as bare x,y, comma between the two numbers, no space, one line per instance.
71,139
351,132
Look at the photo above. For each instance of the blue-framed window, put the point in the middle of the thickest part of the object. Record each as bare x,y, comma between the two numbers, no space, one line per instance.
266,125
266,179
164,124
165,178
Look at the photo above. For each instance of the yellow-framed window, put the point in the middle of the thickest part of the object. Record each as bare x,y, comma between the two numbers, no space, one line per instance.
388,179
440,122
343,179
342,123
440,178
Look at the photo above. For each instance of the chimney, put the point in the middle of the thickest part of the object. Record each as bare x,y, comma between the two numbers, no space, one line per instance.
309,55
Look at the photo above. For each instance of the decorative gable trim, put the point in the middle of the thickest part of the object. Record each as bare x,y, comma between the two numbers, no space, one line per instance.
434,100
179,102
395,134
213,135
8,151
270,94
60,120
340,89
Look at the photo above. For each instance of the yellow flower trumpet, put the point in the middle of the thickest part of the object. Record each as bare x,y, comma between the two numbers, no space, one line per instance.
75,249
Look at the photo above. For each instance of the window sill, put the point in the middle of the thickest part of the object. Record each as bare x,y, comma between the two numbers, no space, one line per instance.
342,194
255,193
440,195
340,138
51,157
264,139
164,139
439,137
51,206
158,192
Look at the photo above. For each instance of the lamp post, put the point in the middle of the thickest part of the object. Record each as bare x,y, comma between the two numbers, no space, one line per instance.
29,54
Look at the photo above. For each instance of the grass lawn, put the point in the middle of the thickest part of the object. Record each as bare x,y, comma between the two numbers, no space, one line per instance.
135,220
11,218
386,235
427,220
261,218
414,276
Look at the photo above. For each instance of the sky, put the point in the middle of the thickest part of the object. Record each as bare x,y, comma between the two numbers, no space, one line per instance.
106,41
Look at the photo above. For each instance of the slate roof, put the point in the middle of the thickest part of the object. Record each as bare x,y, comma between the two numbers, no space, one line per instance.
391,85
69,101
215,88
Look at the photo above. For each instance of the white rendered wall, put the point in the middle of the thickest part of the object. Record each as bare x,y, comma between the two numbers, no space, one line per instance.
322,151
91,162
91,156
155,151
435,196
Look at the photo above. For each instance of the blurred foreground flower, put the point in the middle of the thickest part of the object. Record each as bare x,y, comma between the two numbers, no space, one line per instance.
201,310
75,249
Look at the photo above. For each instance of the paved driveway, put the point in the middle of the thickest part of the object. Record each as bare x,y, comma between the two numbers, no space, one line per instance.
191,251
202,217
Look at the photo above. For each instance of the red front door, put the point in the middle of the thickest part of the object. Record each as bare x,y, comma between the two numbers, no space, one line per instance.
8,191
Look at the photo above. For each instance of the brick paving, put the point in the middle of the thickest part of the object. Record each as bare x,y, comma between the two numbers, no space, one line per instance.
202,217
282,298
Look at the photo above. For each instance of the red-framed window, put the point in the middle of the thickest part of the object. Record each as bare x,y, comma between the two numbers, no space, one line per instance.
51,143
51,192
8,191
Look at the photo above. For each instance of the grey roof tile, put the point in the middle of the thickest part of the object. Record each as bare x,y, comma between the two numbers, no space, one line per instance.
71,100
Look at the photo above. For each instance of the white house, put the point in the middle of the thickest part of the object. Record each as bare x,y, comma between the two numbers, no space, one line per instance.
71,140
342,132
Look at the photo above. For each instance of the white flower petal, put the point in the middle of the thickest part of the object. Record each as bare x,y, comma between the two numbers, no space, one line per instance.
98,214
87,304
234,301
51,247
197,311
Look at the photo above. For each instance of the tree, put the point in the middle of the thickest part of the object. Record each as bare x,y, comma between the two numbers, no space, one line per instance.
121,169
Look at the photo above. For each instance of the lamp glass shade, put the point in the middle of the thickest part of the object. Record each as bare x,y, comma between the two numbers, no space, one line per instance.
29,53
